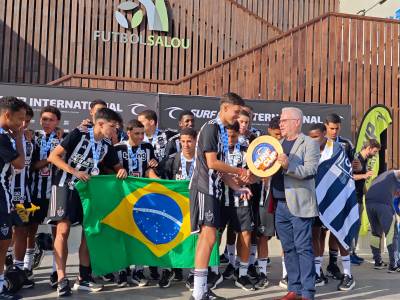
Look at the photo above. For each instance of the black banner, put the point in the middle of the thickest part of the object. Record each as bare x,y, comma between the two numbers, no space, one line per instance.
74,102
205,108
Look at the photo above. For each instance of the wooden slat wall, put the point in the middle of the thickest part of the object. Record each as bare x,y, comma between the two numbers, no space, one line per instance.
287,14
42,40
346,60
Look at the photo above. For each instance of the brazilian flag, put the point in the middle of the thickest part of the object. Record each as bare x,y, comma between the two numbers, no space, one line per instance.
138,221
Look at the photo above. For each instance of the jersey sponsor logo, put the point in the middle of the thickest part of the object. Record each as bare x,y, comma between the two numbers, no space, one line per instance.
198,113
141,154
172,110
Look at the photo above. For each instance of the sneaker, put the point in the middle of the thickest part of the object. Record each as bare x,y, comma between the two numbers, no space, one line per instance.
354,260
87,285
190,282
139,279
37,258
29,274
229,271
283,283
63,288
262,282
323,277
53,280
213,280
8,296
122,279
209,295
379,265
154,273
334,272
393,269
9,261
178,274
223,259
252,272
28,284
108,277
245,284
347,283
319,281
166,278
358,257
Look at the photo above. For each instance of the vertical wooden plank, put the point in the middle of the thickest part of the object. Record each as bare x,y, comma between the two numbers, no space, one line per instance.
94,45
264,66
395,86
324,61
296,12
73,37
381,63
367,65
44,42
60,32
374,67
287,67
188,35
2,34
331,59
87,37
353,77
29,43
337,96
80,38
360,80
7,41
66,41
23,45
50,58
309,62
388,67
301,63
14,64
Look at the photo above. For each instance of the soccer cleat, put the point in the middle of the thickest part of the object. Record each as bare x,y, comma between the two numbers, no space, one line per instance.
245,284
87,285
262,281
229,272
139,279
63,288
393,269
29,274
354,260
347,283
213,280
166,278
37,257
283,283
323,277
53,280
28,283
190,282
319,281
334,272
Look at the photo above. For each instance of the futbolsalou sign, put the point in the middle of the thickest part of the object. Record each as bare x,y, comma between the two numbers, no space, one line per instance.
131,16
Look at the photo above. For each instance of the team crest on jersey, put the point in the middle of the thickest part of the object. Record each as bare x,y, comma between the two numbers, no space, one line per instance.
60,211
4,229
209,216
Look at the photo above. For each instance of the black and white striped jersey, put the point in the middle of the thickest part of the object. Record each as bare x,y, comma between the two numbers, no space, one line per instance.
235,158
7,155
257,132
20,183
137,164
159,142
173,145
205,180
41,179
79,155
171,167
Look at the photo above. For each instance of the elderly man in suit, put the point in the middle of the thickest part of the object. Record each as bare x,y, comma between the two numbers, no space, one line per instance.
293,187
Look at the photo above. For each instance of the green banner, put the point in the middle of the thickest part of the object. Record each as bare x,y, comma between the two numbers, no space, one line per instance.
375,121
138,221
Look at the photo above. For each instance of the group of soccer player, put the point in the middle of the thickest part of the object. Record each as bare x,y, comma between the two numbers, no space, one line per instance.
40,168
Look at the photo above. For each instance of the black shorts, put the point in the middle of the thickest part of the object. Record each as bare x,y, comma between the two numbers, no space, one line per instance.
5,226
204,210
318,223
239,219
65,204
266,222
41,214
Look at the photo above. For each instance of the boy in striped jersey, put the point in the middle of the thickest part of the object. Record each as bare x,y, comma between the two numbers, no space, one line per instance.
77,158
135,156
44,142
186,120
20,191
236,213
12,117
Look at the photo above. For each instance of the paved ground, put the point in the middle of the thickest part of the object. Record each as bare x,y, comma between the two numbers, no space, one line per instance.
370,284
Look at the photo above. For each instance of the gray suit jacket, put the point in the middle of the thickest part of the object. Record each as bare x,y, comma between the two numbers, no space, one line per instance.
299,177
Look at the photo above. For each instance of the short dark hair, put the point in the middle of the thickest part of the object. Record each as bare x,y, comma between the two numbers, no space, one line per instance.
274,123
51,109
244,113
318,126
372,143
188,131
108,115
12,104
235,126
29,111
96,102
231,98
249,107
134,124
149,115
333,118
185,112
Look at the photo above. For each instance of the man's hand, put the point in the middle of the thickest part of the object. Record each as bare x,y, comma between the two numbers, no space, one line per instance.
85,123
81,175
59,133
244,193
369,174
245,176
122,174
283,160
153,163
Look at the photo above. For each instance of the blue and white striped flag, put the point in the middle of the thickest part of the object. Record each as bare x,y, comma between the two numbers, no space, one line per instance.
337,202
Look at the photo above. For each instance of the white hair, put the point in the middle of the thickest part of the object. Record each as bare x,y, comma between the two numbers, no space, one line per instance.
296,112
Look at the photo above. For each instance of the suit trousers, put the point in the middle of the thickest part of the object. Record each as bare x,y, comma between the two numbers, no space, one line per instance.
296,237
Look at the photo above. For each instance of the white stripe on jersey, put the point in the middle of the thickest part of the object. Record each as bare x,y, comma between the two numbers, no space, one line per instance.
3,184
